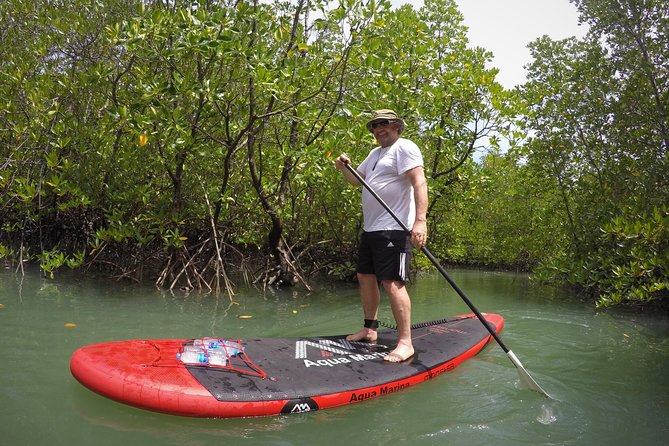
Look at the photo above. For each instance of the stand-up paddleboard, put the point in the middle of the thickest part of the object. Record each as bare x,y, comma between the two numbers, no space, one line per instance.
222,378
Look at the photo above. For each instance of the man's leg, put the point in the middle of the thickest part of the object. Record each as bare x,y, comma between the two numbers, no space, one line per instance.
400,303
370,296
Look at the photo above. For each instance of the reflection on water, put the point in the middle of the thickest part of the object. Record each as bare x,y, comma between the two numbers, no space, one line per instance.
606,370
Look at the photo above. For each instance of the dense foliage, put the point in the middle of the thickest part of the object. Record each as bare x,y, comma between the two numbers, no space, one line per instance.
186,140
600,111
583,197
182,136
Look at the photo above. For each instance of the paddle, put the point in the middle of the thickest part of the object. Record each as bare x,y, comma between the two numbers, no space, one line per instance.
525,377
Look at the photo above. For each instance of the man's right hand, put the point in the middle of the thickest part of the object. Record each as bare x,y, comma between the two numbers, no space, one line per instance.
340,163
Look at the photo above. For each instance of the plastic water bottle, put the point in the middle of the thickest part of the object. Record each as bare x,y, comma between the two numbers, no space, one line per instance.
233,348
217,357
213,351
208,343
193,357
193,348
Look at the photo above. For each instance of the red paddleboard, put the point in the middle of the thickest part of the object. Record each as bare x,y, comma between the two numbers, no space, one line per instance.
223,378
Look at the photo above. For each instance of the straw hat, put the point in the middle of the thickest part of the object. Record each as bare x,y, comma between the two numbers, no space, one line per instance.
385,114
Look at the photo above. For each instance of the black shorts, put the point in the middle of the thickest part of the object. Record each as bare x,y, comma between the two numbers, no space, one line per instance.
386,254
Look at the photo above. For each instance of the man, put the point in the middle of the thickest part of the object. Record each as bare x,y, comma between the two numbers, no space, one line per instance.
394,170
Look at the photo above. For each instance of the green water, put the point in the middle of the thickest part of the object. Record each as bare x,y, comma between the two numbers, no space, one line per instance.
606,370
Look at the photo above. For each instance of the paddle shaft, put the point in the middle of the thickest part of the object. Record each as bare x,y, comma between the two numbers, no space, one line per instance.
524,375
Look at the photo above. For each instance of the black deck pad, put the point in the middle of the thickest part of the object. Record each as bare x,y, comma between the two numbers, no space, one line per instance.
313,366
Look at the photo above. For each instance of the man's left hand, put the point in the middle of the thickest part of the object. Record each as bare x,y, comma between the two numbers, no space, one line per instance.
419,234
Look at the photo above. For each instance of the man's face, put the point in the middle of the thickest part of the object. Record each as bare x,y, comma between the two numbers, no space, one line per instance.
385,131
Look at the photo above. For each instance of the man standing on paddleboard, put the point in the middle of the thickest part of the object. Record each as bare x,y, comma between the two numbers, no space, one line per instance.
394,170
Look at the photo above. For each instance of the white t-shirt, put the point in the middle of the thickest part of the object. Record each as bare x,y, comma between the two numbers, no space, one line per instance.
385,170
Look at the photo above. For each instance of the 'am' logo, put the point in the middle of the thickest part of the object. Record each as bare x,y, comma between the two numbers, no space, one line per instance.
300,405
340,347
301,408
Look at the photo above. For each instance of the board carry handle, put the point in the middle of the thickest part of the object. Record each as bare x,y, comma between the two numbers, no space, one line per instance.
525,377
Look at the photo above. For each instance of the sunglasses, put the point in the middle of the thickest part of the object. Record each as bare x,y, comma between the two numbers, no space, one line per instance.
379,124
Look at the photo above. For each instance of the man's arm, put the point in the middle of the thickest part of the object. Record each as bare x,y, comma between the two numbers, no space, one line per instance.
419,229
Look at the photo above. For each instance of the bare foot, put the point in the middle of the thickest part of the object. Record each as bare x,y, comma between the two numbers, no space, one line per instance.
364,335
401,353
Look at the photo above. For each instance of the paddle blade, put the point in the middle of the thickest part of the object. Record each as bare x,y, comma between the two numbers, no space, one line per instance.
525,377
